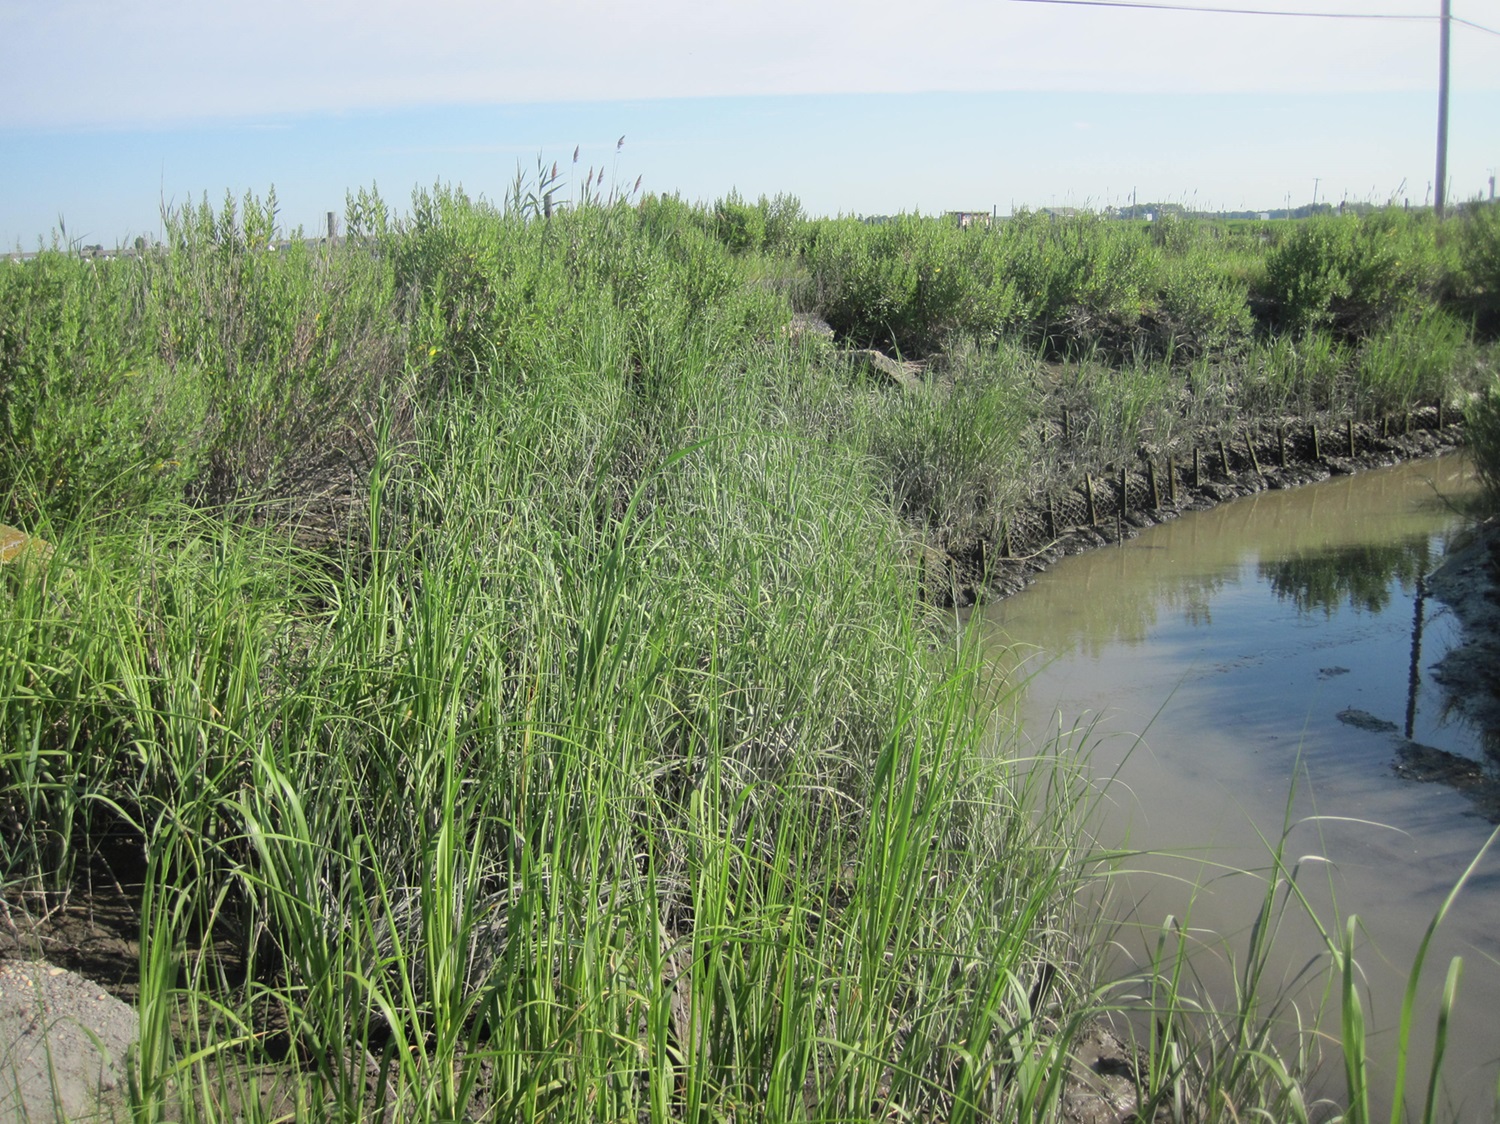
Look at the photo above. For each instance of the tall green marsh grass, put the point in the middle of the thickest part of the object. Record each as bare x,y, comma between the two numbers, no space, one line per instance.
586,779
495,646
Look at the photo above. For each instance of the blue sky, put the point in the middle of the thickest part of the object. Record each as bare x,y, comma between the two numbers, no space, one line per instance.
108,108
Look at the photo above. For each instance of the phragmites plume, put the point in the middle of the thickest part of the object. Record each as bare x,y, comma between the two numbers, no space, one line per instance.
619,144
576,148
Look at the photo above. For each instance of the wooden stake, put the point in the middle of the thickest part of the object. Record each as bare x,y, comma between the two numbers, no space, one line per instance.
1088,491
1317,445
1254,460
1051,520
1197,468
1151,478
1124,491
1281,444
1224,459
1349,432
1171,480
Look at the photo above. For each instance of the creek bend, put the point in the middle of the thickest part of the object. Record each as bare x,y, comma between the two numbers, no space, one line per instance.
1254,665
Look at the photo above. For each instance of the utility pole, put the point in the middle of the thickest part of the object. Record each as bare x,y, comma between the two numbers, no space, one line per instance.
1442,138
1318,179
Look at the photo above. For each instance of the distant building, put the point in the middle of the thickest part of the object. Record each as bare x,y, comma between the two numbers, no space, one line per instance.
966,219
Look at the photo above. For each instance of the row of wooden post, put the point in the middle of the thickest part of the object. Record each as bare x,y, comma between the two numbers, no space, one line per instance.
1151,480
1281,456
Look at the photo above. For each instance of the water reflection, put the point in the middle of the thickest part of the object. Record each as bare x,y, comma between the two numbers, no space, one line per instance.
1211,659
1363,576
1319,547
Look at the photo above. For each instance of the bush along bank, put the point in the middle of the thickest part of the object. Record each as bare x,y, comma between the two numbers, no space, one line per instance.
1124,345
482,662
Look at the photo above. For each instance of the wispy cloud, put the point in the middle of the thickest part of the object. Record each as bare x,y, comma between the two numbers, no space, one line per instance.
137,62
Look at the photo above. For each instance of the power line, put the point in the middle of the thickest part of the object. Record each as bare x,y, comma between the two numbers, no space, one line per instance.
1409,17
1241,11
1475,26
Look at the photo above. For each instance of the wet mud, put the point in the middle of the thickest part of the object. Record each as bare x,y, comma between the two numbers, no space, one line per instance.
1118,502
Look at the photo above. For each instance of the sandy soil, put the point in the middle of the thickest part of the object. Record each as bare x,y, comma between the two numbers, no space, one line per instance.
63,1043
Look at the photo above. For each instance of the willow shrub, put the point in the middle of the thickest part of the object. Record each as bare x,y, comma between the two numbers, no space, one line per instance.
94,419
1352,274
1479,256
1066,285
209,367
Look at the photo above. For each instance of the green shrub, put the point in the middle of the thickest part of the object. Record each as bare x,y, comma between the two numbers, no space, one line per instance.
94,419
1079,283
1351,274
132,440
740,226
1067,285
866,280
1479,258
1200,311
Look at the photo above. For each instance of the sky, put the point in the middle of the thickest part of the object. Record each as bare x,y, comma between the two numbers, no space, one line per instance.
112,109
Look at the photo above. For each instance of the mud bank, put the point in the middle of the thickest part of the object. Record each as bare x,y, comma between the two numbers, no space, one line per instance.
1119,501
1468,582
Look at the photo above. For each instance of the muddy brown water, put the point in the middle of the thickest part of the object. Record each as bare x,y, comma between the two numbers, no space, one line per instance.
1252,666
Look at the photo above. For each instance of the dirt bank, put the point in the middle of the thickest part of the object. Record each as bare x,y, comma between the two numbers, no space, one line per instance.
1468,582
1197,473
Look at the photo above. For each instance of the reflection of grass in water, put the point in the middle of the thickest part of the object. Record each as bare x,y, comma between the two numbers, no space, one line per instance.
1360,575
1251,1053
